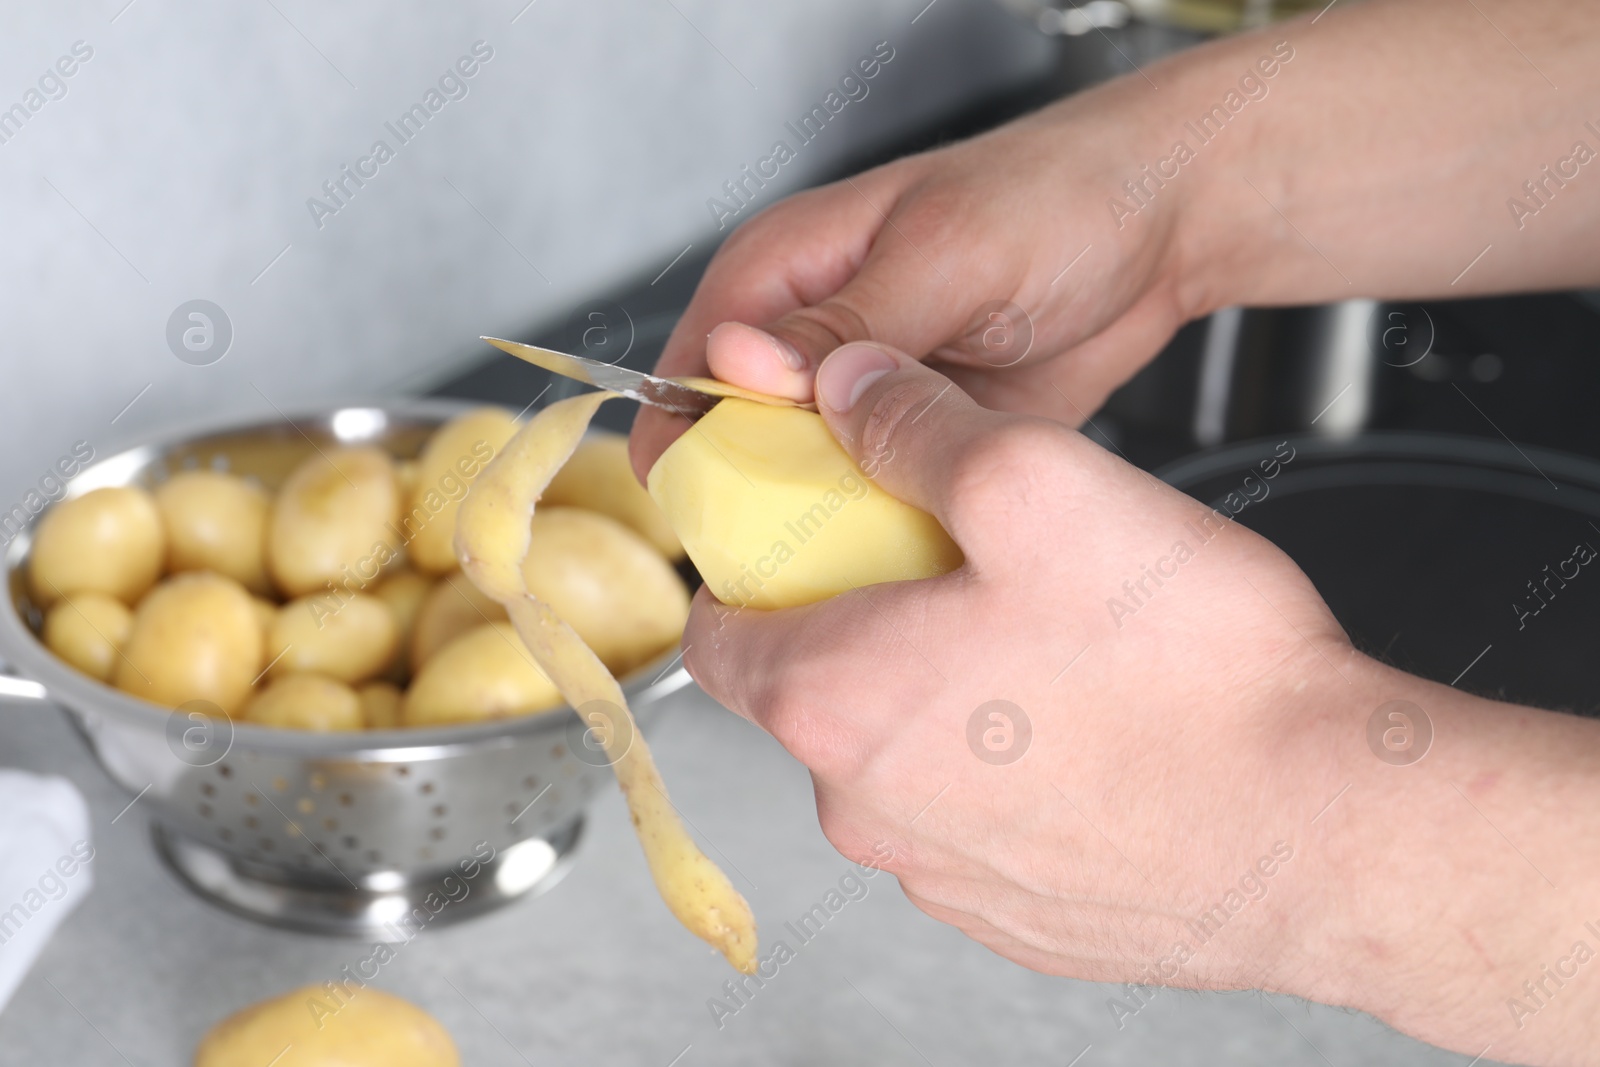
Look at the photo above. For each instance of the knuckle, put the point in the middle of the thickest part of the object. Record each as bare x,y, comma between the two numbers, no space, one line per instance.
1018,467
893,408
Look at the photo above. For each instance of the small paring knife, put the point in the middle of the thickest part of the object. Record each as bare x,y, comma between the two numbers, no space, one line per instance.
689,397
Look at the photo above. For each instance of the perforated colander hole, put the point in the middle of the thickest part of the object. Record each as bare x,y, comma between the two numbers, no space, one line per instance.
530,783
374,856
204,810
439,811
351,842
224,770
306,805
512,809
251,822
558,752
317,782
437,833
225,833
425,853
267,844
330,823
251,800
402,771
425,788
281,784
207,789
292,829
346,800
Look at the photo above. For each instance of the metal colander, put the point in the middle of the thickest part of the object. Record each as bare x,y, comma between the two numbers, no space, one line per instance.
338,833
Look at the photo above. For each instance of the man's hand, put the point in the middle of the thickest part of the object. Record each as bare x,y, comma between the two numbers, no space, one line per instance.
1127,742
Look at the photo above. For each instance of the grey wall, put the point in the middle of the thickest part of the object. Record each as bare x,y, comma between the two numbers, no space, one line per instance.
178,163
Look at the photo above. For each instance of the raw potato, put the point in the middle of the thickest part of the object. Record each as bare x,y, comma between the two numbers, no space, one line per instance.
365,1027
88,630
607,583
451,608
306,702
334,512
492,537
775,514
449,462
351,641
216,522
266,614
600,477
485,673
404,591
405,476
106,541
195,637
380,705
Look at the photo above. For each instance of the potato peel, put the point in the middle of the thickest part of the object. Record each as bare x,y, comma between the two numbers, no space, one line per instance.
491,540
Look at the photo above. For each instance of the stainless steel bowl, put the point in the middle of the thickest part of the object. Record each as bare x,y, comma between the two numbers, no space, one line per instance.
365,834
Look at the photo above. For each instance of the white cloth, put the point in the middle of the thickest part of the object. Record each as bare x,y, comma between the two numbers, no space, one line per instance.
46,861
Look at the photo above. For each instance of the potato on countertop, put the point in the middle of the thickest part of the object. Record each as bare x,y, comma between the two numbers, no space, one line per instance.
364,1027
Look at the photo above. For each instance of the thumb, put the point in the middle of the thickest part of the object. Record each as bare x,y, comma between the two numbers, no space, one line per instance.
910,429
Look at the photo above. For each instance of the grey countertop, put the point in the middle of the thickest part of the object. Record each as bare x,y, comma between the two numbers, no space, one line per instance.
595,971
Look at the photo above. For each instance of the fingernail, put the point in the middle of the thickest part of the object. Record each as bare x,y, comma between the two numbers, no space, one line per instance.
787,352
847,373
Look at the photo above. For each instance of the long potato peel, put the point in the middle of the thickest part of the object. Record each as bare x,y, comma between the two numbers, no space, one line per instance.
491,540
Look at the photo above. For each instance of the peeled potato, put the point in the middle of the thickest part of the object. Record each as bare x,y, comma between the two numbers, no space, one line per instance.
350,640
449,462
195,637
599,477
329,1026
216,522
485,673
606,582
105,541
776,514
404,592
380,705
451,608
333,521
88,630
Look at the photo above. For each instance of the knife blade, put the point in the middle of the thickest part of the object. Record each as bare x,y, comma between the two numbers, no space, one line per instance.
689,397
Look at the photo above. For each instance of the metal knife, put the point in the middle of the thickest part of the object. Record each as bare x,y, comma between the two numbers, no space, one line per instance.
689,397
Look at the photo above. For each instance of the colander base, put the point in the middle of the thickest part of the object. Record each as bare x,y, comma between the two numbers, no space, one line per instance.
384,906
